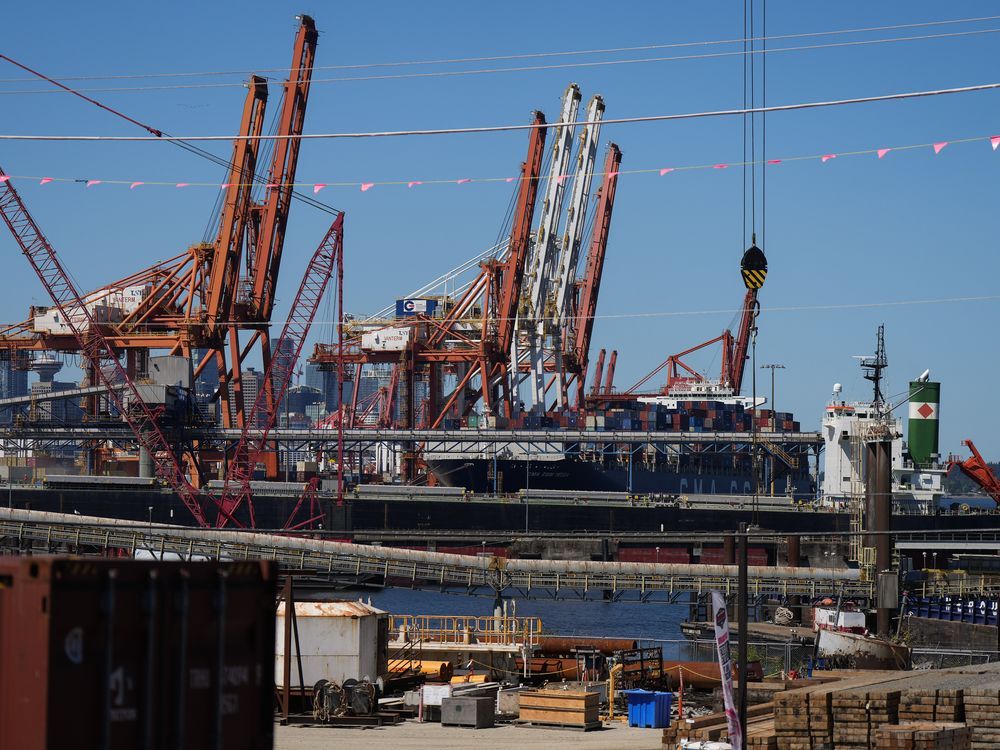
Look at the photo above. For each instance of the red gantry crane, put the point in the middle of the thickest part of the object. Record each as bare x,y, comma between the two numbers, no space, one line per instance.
202,300
525,314
104,360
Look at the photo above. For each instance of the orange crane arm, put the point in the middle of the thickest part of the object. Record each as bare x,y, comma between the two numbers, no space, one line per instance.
520,236
976,469
274,218
739,359
225,263
590,286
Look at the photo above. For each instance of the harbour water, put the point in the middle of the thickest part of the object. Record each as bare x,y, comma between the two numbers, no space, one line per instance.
653,624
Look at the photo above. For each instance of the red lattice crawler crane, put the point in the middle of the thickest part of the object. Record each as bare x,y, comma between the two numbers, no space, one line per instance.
976,469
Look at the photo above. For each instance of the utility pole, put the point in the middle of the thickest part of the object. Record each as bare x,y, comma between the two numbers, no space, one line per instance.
742,615
774,416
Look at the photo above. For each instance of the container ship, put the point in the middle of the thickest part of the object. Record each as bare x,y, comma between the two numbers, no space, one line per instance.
648,469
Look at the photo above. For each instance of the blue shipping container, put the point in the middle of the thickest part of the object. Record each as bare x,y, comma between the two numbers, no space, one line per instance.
407,307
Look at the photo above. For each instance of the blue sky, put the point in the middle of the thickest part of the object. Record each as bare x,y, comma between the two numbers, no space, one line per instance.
854,231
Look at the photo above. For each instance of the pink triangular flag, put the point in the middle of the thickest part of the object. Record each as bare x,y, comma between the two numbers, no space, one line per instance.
318,186
995,141
414,182
562,178
463,181
226,185
271,185
181,184
665,170
45,181
511,179
366,186
5,177
721,166
613,174
883,151
826,157
91,183
134,185
774,161
939,146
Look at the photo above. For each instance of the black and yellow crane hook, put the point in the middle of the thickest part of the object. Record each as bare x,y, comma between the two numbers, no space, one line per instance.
753,267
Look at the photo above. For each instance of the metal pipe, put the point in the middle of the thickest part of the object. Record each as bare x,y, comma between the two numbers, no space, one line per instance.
564,645
421,556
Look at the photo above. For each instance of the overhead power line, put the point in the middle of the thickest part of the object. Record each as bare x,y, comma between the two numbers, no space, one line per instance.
524,56
510,128
724,310
525,68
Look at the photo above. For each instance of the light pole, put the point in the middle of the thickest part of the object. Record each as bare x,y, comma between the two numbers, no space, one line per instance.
527,482
774,415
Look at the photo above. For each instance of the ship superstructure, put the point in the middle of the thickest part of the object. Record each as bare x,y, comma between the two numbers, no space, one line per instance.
917,469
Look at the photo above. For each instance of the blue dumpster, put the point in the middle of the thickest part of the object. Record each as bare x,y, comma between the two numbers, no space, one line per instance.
648,709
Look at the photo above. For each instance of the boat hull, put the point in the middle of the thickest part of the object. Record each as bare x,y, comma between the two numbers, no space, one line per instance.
513,475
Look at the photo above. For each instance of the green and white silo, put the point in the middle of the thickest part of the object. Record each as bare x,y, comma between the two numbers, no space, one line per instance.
925,401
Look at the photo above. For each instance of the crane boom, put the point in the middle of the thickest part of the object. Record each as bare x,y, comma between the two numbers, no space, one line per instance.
327,259
224,272
542,257
590,286
738,362
576,214
95,347
512,269
976,469
274,218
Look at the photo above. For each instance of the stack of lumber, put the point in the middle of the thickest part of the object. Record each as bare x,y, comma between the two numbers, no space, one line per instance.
714,727
982,714
931,704
923,735
560,708
802,719
858,713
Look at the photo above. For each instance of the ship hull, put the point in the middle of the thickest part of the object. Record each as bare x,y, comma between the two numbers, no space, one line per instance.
511,475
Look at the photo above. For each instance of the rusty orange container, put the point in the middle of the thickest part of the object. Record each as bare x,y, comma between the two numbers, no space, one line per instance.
119,654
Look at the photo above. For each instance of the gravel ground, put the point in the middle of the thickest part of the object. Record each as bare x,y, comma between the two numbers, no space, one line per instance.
412,735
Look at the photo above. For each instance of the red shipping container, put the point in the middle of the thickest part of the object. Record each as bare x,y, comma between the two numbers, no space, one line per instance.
129,654
674,555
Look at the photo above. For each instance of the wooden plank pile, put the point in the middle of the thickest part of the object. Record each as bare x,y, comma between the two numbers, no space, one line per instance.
857,714
802,720
982,714
714,728
560,708
932,704
923,735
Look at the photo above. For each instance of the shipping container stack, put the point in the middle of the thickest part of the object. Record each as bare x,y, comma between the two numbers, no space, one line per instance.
688,416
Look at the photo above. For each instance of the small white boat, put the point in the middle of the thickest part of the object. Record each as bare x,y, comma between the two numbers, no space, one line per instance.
862,651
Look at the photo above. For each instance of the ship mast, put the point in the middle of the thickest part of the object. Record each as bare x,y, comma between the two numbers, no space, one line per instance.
873,367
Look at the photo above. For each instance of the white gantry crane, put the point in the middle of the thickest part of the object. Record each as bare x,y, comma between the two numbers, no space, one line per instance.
530,338
548,299
564,272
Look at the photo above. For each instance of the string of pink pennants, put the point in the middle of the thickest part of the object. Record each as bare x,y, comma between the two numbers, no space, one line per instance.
316,187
